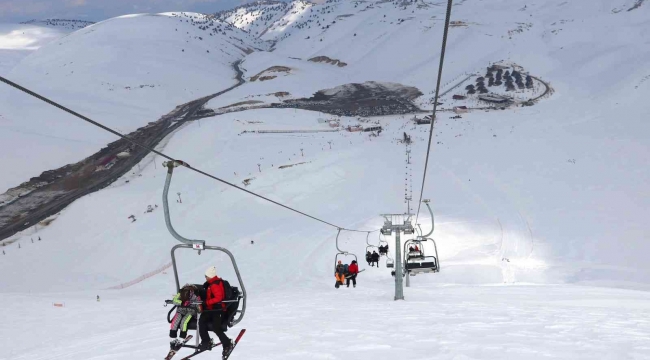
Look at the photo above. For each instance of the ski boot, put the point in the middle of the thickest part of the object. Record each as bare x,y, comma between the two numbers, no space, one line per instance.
175,345
206,346
227,350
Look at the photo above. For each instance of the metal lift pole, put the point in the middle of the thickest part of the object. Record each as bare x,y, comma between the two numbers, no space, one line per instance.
388,229
399,290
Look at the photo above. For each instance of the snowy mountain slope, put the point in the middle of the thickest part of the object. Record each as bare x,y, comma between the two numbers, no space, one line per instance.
254,18
124,72
555,193
500,200
287,271
18,41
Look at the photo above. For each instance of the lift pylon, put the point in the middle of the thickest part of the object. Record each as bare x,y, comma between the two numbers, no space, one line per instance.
398,223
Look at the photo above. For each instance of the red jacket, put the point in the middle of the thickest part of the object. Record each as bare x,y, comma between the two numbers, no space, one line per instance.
353,269
214,293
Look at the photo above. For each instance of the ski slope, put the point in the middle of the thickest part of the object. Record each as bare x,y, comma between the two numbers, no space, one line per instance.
540,211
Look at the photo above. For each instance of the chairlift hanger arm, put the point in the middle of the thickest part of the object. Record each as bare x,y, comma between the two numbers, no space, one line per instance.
337,243
170,171
426,202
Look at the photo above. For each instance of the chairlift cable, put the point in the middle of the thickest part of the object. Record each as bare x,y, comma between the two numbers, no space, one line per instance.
106,128
435,102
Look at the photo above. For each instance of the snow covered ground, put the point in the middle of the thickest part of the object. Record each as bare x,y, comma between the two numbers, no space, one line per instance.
313,320
18,41
540,211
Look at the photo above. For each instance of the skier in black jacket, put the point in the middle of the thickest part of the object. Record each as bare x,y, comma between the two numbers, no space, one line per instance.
375,258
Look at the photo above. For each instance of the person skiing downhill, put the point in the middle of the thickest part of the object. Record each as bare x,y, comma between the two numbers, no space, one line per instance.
339,274
353,270
186,301
215,294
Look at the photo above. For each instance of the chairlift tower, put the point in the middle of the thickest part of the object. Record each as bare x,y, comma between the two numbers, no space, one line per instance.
398,223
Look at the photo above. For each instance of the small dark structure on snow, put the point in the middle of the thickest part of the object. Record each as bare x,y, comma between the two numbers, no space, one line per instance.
494,98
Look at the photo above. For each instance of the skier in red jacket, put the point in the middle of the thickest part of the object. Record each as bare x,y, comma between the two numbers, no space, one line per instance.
353,270
213,301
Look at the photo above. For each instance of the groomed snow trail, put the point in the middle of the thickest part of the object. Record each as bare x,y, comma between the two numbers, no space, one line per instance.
314,321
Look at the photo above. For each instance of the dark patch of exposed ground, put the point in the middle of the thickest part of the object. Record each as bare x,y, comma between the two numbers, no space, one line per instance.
366,99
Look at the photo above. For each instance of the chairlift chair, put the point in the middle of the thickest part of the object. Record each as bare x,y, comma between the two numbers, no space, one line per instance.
415,254
384,244
419,262
341,254
426,264
369,246
234,313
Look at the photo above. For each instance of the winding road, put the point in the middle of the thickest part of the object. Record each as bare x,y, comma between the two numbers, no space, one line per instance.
69,183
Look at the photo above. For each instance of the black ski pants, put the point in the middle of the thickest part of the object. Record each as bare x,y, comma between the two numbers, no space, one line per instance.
213,318
353,278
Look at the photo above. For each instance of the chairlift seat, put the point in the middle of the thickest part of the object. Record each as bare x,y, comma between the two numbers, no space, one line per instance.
224,324
424,264
229,314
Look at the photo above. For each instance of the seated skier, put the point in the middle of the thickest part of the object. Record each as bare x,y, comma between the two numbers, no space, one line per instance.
339,274
375,258
215,294
368,257
353,270
186,309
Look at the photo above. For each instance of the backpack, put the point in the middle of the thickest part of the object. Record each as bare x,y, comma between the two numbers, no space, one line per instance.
230,293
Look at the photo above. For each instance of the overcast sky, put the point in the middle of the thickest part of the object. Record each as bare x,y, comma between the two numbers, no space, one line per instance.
96,10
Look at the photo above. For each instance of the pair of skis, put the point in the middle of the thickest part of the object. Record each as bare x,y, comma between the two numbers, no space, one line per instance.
349,276
197,352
